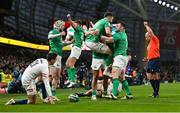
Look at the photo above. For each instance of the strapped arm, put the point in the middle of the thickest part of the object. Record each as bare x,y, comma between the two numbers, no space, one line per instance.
107,39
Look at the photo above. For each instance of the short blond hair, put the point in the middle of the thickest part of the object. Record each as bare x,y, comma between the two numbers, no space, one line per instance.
59,24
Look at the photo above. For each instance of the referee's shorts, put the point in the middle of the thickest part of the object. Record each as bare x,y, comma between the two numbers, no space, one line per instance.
153,65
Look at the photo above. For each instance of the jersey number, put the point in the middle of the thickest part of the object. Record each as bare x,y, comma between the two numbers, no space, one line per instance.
34,63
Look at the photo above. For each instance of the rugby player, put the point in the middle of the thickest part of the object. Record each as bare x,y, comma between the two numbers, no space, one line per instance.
37,70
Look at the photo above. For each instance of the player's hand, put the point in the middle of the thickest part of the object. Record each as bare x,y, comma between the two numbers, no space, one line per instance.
63,33
145,23
68,16
51,100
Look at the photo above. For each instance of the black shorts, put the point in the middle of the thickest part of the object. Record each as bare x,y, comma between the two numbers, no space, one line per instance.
153,65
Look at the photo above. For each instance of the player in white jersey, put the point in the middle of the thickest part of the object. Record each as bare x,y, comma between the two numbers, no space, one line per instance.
37,71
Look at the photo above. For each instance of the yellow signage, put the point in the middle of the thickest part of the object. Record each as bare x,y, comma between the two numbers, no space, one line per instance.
27,44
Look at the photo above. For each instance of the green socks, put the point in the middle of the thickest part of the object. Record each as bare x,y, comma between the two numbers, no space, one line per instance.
93,92
115,86
71,73
53,92
126,87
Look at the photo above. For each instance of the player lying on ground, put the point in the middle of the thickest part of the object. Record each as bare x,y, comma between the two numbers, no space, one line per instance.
37,70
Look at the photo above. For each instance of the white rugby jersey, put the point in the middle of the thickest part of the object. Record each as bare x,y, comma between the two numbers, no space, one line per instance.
35,69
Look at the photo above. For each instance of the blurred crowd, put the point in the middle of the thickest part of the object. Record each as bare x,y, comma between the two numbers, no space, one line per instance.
9,32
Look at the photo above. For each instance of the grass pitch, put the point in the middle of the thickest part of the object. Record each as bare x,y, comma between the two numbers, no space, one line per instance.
169,101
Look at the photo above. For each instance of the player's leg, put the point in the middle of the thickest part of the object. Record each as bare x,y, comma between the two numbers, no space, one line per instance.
107,74
96,65
75,54
68,72
151,76
125,87
31,93
99,47
55,71
119,64
71,71
156,69
115,80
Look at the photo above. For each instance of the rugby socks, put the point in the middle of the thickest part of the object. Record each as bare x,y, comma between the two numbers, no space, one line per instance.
53,92
43,90
73,74
153,84
19,102
157,86
115,86
125,87
93,92
69,73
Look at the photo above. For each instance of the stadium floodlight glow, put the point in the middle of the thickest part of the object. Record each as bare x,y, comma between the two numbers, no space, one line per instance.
167,5
176,8
160,2
172,7
164,3
155,0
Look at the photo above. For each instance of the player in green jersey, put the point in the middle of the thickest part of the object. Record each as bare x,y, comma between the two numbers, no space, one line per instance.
78,36
56,45
120,59
101,27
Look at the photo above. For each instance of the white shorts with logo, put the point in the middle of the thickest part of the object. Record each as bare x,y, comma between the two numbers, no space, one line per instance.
29,86
120,61
75,52
57,64
97,47
97,64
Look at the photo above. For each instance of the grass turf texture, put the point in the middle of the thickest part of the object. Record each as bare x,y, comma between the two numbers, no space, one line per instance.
169,100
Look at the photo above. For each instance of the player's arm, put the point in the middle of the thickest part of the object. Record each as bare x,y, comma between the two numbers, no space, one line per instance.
107,39
108,31
91,23
48,88
68,42
70,21
148,28
50,36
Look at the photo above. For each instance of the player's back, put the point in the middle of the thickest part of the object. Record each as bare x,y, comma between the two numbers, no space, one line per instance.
35,69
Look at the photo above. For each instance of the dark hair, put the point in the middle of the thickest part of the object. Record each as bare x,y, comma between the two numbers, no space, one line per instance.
51,56
106,14
79,22
123,24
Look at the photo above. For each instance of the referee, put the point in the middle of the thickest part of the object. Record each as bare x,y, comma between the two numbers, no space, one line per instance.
153,58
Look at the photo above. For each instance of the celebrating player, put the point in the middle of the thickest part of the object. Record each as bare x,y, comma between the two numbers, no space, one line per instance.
78,35
56,45
120,58
102,27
